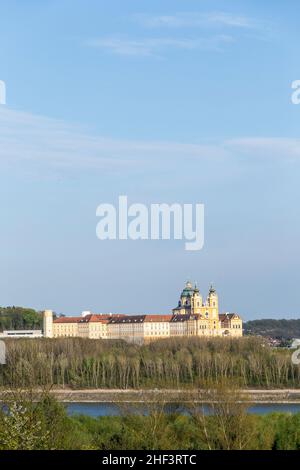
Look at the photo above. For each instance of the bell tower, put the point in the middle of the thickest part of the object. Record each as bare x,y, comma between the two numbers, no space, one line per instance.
212,298
196,301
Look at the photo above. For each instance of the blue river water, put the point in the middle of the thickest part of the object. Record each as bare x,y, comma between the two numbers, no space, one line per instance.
112,409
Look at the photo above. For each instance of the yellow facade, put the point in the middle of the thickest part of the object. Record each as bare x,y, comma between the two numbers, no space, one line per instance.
65,327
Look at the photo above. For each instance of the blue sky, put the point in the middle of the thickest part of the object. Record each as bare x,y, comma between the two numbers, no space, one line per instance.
165,101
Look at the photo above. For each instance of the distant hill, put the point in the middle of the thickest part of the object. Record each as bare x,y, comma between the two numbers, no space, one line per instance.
279,329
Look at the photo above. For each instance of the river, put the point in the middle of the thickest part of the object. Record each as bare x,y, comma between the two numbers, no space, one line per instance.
111,409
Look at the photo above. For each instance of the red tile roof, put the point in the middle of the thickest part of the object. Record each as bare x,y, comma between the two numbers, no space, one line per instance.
67,320
121,318
99,318
92,317
228,316
158,318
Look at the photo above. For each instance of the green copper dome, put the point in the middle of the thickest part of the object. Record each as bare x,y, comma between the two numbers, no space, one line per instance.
188,290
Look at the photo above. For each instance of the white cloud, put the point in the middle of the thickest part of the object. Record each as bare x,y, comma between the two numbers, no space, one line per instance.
37,143
268,147
197,19
154,46
214,33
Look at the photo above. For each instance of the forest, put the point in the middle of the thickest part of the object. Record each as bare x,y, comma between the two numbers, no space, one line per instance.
169,363
31,418
20,318
280,329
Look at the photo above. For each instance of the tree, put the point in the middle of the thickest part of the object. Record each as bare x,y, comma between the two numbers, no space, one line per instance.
219,412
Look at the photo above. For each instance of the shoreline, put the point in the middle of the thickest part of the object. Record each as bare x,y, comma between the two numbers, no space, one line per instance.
253,396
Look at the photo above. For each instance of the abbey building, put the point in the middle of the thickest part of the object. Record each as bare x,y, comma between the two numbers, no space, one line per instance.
193,316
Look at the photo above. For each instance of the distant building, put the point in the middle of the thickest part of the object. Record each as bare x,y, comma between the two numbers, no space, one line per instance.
191,317
89,325
21,334
139,328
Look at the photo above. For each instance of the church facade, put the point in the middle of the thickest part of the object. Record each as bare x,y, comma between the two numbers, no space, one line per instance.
193,316
204,313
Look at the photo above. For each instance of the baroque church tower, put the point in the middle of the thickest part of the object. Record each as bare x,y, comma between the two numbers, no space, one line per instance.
191,303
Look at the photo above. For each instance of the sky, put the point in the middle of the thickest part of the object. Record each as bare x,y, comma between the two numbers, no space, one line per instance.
166,102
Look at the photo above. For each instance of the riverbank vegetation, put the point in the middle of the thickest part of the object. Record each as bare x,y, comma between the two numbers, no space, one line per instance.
171,363
26,424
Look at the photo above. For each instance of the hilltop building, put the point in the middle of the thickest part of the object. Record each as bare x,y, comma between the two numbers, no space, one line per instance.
191,317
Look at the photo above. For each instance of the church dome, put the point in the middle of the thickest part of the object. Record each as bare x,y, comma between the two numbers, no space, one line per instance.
188,290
